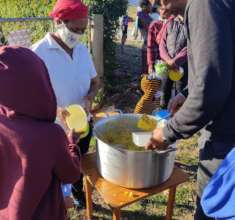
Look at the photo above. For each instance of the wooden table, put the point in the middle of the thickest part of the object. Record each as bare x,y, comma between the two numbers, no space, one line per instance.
118,197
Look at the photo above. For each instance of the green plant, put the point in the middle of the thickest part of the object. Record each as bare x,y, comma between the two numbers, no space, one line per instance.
26,8
112,10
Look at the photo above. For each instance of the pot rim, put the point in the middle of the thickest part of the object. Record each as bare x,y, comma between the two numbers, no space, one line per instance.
171,148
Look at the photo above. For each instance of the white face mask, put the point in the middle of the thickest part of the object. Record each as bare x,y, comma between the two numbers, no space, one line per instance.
70,38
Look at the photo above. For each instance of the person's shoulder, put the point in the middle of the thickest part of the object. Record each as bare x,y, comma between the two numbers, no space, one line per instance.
82,49
205,8
40,45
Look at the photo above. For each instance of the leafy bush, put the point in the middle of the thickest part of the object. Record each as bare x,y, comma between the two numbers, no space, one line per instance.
112,11
26,8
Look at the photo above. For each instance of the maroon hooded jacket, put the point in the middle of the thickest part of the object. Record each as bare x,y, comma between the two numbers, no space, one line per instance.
35,156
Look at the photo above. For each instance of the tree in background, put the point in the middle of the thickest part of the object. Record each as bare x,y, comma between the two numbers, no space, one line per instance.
111,9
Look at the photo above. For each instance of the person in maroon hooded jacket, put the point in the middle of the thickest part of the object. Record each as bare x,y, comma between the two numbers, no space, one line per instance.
35,154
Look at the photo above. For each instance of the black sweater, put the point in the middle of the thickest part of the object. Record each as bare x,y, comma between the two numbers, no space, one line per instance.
210,104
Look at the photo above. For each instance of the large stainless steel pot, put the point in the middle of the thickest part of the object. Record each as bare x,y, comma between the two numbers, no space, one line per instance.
131,169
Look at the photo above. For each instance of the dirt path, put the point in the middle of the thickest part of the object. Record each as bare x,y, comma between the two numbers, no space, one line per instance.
126,91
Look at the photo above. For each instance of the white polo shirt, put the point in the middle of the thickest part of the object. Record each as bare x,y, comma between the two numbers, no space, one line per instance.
70,77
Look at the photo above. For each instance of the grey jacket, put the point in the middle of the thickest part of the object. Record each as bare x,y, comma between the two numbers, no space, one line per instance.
210,103
176,39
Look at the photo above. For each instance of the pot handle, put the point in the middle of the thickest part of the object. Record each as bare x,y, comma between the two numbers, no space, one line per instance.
118,111
115,110
168,150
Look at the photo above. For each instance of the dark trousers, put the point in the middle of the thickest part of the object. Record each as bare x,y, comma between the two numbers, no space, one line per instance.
77,188
144,68
199,214
167,87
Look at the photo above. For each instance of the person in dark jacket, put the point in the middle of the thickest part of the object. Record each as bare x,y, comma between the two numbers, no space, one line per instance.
35,154
209,102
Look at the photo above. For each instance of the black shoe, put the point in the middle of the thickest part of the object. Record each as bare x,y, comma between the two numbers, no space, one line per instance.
80,203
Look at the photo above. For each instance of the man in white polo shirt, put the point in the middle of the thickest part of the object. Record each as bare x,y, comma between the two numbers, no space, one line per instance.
71,69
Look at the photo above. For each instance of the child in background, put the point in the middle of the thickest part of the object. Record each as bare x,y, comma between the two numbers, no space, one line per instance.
151,88
124,26
154,37
173,51
144,20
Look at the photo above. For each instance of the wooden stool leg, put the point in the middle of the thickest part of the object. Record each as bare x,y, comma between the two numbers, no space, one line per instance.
88,190
116,214
170,204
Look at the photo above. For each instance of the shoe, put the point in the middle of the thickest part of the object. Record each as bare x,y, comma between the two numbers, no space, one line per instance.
80,203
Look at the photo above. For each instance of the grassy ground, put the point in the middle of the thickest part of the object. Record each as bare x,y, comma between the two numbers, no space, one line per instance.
125,97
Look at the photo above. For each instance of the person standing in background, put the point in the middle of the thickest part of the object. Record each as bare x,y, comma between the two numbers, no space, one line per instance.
208,104
144,20
154,37
70,67
173,51
150,100
124,26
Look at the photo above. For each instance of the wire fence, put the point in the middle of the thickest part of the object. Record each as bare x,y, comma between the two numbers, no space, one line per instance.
28,30
24,31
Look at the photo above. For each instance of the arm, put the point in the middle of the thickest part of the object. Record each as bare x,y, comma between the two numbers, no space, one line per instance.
67,165
95,85
181,57
210,40
163,45
152,45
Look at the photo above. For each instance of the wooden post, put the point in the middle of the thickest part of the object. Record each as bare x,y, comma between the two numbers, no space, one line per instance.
89,35
116,214
88,190
170,204
98,44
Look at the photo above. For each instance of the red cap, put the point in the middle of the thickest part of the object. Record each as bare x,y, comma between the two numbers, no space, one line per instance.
69,10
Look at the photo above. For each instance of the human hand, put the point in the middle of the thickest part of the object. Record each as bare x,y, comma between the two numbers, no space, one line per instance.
175,103
73,137
150,69
171,64
62,114
157,140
